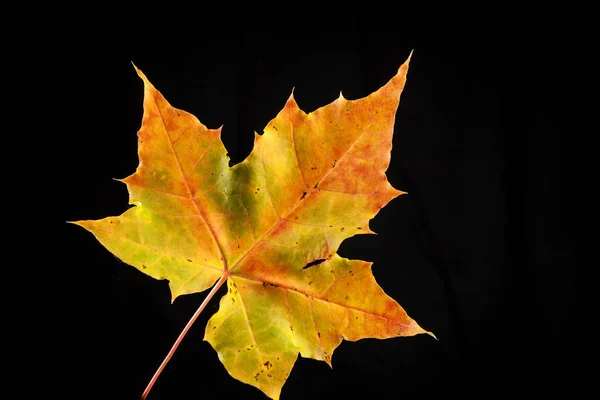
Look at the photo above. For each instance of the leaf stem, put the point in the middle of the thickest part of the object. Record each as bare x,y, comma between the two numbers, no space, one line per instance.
182,335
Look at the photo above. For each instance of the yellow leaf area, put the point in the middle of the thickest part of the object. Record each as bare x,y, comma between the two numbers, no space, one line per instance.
311,181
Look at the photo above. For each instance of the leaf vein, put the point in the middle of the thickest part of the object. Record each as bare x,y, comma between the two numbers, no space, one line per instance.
312,317
212,233
294,146
156,250
201,157
284,287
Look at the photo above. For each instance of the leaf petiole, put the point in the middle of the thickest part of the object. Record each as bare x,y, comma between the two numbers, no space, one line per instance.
182,335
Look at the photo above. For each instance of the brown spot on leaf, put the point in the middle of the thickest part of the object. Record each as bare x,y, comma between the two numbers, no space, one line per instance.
313,263
342,229
144,267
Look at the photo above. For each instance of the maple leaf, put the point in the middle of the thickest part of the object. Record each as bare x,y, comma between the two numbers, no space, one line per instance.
270,226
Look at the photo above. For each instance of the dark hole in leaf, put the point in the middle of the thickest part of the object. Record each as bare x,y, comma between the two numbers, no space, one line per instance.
313,263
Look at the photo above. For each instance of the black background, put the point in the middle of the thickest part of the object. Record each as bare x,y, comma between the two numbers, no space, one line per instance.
481,251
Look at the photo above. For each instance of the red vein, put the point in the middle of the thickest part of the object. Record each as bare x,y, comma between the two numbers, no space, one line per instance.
178,291
347,322
248,320
154,249
210,230
157,190
342,192
293,208
248,217
347,150
139,226
326,240
294,147
305,224
237,310
284,287
213,186
179,137
279,243
162,257
202,156
262,161
312,317
174,215
287,308
330,285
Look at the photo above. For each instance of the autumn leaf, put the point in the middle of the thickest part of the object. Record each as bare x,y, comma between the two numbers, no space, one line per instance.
269,226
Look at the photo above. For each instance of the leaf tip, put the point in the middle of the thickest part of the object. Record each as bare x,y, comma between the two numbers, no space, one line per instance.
399,192
291,100
367,230
141,74
404,67
414,328
84,224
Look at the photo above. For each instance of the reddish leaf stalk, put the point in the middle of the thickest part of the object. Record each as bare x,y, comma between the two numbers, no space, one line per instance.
182,335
